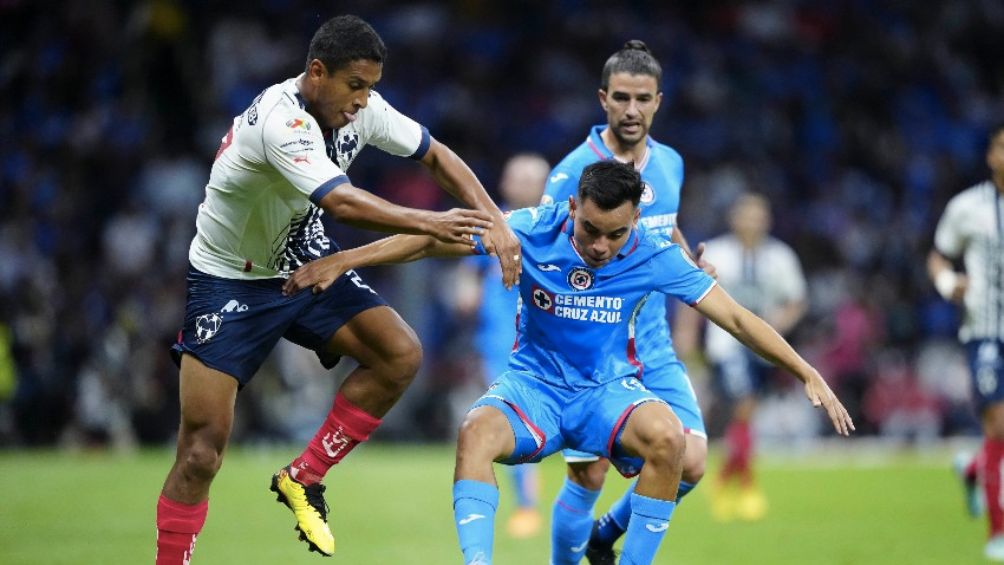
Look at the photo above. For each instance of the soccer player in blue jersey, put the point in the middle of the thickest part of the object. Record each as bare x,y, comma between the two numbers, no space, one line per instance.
282,163
630,96
574,377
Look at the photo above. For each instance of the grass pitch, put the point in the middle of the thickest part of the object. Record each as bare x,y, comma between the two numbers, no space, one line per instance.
391,505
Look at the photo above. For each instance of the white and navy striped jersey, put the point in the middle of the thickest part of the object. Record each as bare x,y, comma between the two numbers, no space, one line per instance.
260,218
972,227
761,279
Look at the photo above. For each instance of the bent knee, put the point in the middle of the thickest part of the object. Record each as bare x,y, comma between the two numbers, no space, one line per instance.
403,357
201,460
589,475
486,431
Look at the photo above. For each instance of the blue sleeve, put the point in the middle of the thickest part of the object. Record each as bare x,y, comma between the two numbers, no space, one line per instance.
521,221
678,276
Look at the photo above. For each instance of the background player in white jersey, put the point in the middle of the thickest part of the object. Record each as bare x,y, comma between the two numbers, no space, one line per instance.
479,290
279,166
763,274
572,379
630,96
972,229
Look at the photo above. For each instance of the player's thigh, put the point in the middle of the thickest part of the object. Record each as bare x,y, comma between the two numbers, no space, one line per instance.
207,401
532,410
486,431
647,425
375,337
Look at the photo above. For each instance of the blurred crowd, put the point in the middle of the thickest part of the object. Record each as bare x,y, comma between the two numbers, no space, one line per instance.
857,118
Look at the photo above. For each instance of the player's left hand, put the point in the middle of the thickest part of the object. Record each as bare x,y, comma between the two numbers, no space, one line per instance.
704,264
501,241
819,394
317,274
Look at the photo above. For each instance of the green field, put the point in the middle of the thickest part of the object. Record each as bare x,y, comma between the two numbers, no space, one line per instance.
391,505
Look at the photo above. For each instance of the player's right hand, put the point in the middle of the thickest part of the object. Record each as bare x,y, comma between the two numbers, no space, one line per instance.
819,394
317,274
458,225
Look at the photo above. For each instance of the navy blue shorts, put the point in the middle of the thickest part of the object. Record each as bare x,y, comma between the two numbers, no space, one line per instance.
232,325
986,364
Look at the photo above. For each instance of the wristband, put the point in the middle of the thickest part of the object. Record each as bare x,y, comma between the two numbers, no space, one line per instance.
945,282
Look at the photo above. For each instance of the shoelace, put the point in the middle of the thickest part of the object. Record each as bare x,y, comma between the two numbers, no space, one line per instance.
315,498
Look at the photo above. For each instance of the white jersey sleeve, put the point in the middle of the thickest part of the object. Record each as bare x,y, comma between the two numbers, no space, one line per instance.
381,125
294,146
950,235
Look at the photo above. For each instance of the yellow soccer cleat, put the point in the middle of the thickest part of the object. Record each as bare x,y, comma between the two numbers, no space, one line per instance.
751,505
307,504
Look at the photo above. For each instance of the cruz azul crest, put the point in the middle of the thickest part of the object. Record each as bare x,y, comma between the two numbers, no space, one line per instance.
580,279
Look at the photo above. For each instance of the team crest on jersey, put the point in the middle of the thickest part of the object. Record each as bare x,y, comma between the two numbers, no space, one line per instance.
647,195
580,279
347,144
542,299
206,326
297,123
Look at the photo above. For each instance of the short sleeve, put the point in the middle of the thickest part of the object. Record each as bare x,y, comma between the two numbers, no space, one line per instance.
677,275
521,221
391,131
294,145
949,237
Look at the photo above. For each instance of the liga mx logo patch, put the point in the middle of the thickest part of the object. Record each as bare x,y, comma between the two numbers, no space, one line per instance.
580,279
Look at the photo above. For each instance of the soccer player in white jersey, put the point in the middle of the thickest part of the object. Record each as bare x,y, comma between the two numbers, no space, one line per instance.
764,275
283,162
972,229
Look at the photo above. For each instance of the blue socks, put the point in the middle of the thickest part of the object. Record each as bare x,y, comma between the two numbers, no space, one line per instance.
571,523
612,525
648,524
474,505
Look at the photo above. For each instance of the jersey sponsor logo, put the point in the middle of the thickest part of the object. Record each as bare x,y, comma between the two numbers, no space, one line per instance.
580,279
301,159
548,267
471,518
659,221
297,123
647,195
599,309
542,299
298,144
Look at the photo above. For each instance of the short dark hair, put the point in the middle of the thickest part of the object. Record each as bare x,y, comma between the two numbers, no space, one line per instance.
344,39
634,58
610,183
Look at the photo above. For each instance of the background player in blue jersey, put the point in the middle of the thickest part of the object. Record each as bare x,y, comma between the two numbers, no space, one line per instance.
480,291
573,375
630,96
283,162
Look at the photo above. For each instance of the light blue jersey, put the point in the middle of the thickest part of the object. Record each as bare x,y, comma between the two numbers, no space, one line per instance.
662,173
577,324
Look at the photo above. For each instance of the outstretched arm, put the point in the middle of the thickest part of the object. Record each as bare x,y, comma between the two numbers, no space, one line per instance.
362,209
321,273
759,336
456,178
